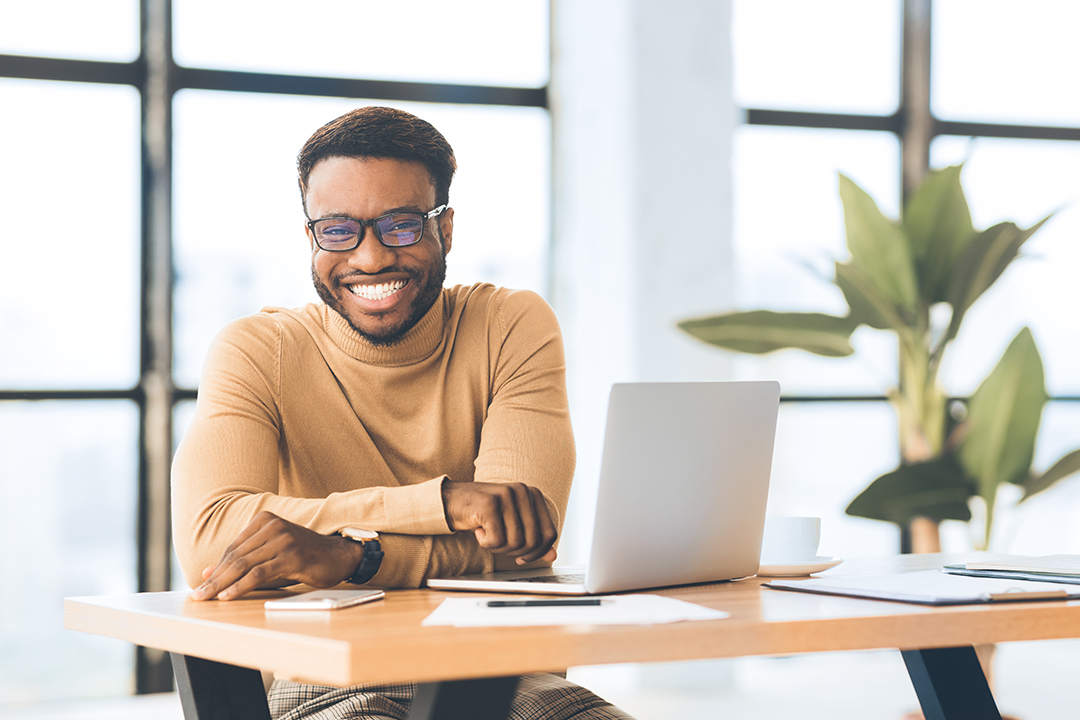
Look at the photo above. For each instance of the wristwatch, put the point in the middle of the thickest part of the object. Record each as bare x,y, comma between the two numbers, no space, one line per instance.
373,554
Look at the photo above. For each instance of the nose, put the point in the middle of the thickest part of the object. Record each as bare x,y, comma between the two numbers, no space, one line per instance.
371,256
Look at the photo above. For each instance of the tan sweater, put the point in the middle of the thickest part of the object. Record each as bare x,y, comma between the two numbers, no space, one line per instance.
299,415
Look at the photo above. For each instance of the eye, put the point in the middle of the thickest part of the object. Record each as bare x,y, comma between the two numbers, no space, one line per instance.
398,224
337,228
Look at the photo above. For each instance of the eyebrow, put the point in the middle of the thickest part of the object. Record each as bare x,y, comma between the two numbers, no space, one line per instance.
401,209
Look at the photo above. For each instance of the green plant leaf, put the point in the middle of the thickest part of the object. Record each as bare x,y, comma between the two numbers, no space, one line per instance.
1003,419
938,225
983,261
879,246
937,489
868,305
763,331
1063,468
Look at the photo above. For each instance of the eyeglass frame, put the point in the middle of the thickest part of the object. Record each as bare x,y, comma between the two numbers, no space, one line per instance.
372,223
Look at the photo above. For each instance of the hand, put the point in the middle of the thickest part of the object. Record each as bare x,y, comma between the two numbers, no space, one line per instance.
508,518
271,549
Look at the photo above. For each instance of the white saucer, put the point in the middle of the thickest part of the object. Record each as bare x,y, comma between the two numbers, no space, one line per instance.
795,569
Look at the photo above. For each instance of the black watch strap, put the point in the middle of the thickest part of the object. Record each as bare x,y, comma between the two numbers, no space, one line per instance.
369,565
372,558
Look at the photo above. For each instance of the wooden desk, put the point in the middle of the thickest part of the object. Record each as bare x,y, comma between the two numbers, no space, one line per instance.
384,642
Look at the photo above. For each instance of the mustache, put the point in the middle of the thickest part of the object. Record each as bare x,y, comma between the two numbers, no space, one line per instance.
337,280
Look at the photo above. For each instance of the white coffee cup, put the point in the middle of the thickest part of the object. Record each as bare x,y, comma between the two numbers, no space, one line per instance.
790,540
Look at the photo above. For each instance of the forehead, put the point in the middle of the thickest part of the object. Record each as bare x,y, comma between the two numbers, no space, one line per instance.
365,187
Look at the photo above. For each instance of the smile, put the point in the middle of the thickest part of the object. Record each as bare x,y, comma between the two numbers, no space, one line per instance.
379,291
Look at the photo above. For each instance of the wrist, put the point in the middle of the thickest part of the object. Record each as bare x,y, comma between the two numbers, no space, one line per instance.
445,490
352,554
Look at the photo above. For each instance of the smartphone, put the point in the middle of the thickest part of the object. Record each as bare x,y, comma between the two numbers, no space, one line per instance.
325,600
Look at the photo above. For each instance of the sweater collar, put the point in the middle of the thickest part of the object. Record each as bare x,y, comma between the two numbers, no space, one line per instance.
418,343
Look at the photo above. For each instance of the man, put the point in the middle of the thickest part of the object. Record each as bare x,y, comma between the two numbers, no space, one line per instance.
434,417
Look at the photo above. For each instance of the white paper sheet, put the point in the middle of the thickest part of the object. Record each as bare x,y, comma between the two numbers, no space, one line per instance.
613,610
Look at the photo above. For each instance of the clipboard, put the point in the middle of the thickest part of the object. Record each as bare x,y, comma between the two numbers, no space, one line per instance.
932,587
1011,574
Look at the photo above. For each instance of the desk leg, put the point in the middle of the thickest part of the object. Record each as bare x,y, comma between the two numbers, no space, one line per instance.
216,691
484,699
950,684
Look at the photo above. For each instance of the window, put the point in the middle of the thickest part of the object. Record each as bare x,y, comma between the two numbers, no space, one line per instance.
824,92
67,520
122,257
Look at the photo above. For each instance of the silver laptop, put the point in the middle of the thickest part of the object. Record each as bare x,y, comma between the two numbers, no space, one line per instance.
684,480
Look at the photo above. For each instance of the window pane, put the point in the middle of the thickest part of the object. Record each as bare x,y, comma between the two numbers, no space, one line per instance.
490,42
1021,180
1006,62
67,523
69,262
98,30
788,231
226,182
826,454
826,56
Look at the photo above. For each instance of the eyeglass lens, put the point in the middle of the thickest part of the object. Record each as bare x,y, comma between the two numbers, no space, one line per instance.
393,230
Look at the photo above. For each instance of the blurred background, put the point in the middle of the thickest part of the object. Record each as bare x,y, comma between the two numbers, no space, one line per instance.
637,162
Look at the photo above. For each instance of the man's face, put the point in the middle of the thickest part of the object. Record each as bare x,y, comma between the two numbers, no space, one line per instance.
381,291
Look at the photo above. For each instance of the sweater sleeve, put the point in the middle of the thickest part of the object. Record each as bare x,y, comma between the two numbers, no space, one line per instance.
226,469
527,435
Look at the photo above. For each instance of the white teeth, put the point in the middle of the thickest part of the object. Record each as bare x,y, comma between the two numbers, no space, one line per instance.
381,291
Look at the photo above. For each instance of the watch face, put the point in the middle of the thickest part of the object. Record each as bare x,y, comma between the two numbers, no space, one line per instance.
359,534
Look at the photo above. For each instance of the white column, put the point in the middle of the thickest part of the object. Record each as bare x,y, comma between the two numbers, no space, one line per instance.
641,98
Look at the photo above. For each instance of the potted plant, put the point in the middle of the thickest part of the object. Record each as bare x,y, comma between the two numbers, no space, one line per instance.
898,276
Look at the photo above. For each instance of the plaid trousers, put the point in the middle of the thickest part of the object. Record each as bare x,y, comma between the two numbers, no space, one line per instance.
538,697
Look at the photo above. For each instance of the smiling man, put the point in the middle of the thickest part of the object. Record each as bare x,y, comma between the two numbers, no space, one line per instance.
397,431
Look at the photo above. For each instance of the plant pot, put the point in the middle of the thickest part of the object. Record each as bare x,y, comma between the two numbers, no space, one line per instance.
925,535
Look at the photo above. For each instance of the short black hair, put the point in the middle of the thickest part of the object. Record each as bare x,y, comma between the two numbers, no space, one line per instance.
381,132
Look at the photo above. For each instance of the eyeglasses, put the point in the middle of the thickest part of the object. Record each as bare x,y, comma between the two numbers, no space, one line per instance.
341,234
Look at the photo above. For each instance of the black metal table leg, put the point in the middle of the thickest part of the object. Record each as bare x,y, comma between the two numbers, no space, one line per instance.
483,699
215,691
950,684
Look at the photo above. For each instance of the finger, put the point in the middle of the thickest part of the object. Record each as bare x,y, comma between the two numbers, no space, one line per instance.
250,572
240,560
257,524
253,528
490,520
531,519
258,576
549,556
546,532
516,519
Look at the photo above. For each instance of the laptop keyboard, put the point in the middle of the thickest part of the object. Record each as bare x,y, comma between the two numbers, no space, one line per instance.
560,578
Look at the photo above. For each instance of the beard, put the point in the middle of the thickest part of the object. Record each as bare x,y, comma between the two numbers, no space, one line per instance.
430,284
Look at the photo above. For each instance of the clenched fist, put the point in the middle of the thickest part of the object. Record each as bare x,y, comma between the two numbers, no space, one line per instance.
508,518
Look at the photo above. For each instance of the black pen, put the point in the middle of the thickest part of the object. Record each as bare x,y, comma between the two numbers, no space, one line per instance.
543,603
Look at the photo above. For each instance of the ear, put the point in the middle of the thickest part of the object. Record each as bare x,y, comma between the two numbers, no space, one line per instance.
310,237
446,228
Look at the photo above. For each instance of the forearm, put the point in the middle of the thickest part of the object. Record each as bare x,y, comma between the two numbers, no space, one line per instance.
207,519
408,560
